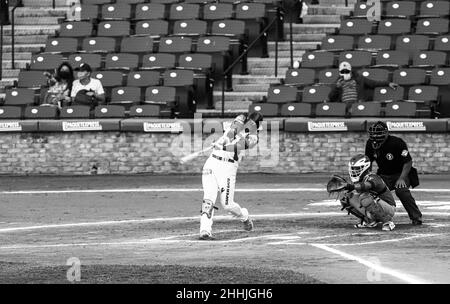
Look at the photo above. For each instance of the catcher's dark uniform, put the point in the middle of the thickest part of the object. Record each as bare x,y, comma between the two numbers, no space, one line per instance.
390,158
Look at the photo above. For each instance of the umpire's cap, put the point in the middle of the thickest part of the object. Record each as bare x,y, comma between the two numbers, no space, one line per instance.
256,117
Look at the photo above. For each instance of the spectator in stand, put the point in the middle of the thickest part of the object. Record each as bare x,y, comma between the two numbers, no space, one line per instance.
352,87
60,85
87,90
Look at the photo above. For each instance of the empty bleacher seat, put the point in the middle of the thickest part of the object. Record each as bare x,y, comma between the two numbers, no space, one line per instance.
440,76
136,45
361,9
195,61
94,60
99,44
432,26
76,29
337,43
143,78
116,11
72,112
88,11
152,28
228,27
429,58
402,9
113,28
331,109
7,112
217,11
109,78
61,45
175,45
296,109
19,97
317,59
125,95
147,110
374,42
180,11
423,93
434,8
375,74
394,27
315,94
412,43
150,11
177,78
442,43
388,94
160,95
409,76
281,94
266,109
299,76
41,112
365,109
328,76
189,27
123,61
158,61
357,59
31,79
45,61
400,109
355,27
392,59
109,111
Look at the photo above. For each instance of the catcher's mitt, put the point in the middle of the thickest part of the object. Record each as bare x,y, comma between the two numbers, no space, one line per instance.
336,184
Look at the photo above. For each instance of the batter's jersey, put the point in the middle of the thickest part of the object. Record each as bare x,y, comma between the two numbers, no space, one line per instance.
390,157
379,189
240,141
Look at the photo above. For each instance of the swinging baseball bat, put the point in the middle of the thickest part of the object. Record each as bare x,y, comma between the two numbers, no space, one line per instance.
191,156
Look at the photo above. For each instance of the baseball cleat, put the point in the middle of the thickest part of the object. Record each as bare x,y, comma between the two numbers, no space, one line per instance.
364,224
388,226
248,225
417,222
205,235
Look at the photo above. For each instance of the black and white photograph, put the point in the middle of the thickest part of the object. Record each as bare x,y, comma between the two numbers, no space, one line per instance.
222,149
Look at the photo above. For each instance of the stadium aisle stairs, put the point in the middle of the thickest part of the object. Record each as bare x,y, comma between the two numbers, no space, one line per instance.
34,23
321,20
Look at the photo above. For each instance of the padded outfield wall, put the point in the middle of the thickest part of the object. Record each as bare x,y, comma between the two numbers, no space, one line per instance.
129,146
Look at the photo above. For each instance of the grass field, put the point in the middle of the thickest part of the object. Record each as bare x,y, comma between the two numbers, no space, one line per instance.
144,229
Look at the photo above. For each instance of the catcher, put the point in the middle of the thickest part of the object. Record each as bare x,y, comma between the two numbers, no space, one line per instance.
367,197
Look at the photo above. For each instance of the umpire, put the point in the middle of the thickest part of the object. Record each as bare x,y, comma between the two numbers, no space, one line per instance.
394,166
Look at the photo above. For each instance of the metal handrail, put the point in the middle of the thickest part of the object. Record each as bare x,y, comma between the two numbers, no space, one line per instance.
249,47
18,4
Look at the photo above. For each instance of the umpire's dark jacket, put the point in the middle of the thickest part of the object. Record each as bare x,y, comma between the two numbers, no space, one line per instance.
363,84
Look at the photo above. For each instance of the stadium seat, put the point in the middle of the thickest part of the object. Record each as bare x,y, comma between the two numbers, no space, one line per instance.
254,15
61,45
124,61
228,27
296,109
109,78
159,61
41,112
219,48
331,109
299,77
394,27
442,43
19,97
391,59
175,45
72,112
178,78
432,26
315,94
94,60
423,93
217,11
328,76
429,59
412,43
148,110
98,2
409,76
434,8
361,9
374,42
266,109
119,11
355,27
375,74
181,11
45,61
317,59
125,95
31,79
400,9
161,95
282,94
150,11
195,61
440,76
132,1
88,11
113,28
152,28
109,111
143,78
190,27
366,109
357,59
99,45
337,43
384,94
183,80
400,109
137,45
76,29
7,112
250,10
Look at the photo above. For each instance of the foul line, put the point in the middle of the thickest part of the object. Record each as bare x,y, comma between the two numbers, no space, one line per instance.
145,190
394,273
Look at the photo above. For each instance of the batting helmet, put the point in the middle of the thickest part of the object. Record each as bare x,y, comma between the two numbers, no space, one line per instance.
256,117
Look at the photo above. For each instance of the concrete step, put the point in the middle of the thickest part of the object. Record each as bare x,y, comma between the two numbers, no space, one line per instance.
255,87
350,3
6,82
269,71
233,105
8,73
18,64
266,63
239,96
296,45
327,10
321,19
47,3
32,39
287,54
37,20
27,30
39,12
17,56
311,28
305,37
29,48
255,79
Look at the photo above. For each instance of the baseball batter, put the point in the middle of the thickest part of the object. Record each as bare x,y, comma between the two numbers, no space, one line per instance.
219,172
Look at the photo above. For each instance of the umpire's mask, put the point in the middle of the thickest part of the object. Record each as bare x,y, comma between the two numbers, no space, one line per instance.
378,134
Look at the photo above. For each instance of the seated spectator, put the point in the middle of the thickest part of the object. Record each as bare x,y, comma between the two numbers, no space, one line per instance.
352,87
87,90
60,85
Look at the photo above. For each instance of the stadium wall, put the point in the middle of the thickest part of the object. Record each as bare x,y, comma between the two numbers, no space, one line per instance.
82,153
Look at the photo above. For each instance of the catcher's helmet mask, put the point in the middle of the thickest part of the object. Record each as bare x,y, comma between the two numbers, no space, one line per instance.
378,134
358,167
